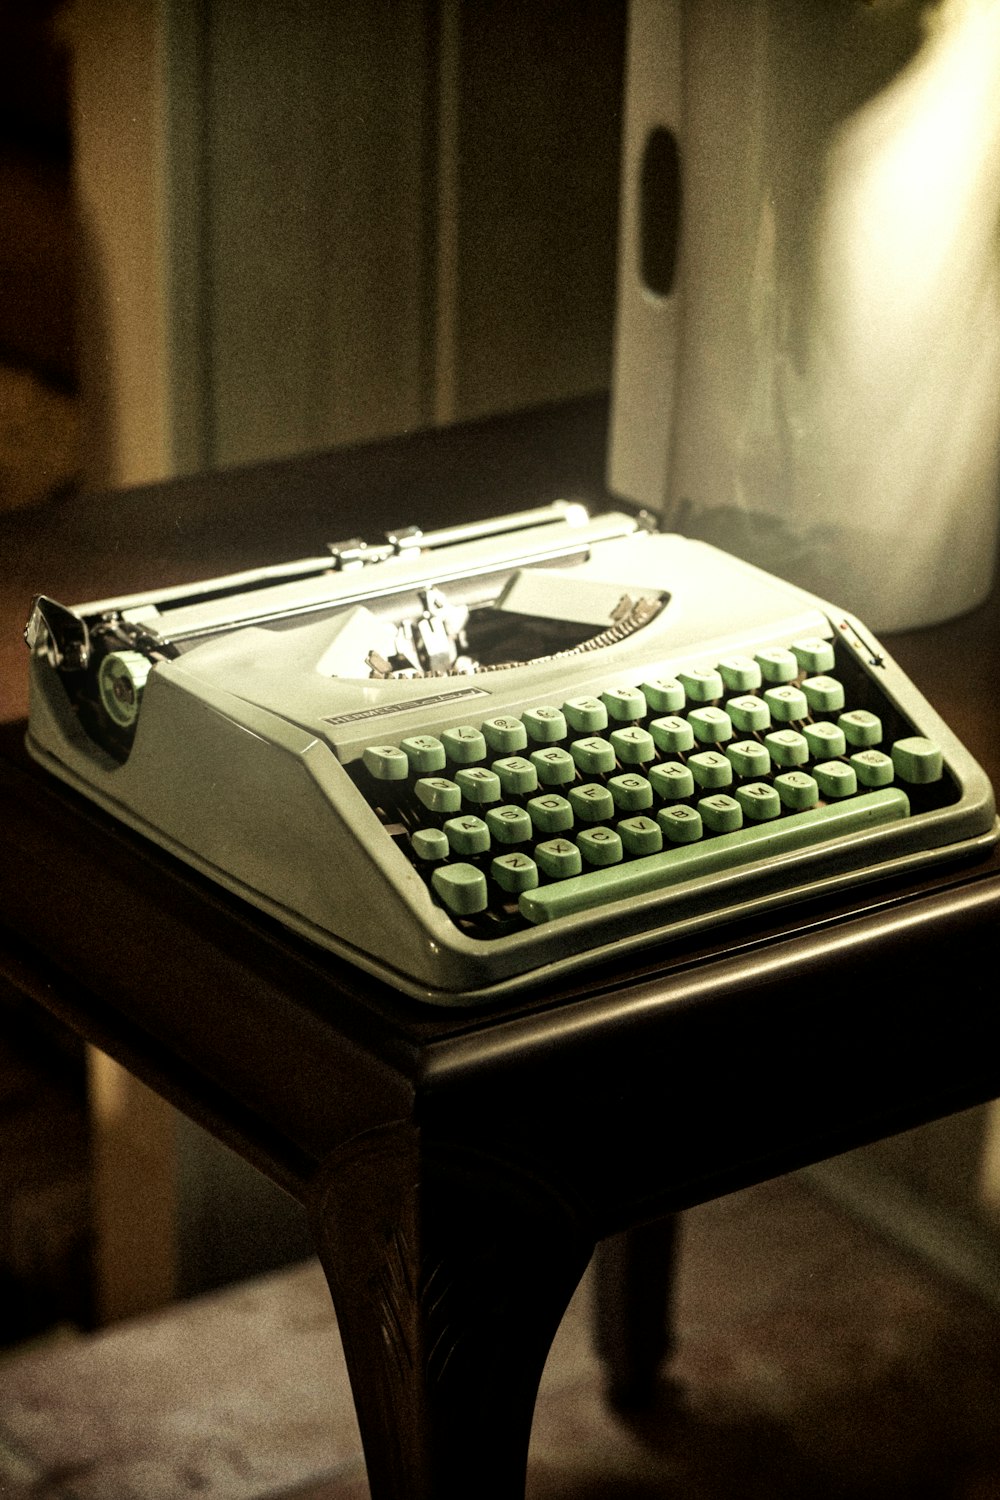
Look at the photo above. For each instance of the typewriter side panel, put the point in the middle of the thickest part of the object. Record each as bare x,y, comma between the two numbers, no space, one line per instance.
266,810
974,815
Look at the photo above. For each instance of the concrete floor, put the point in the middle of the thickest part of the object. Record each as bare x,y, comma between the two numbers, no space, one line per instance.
814,1360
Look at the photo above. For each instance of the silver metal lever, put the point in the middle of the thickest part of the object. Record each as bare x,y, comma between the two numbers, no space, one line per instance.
55,632
409,540
413,539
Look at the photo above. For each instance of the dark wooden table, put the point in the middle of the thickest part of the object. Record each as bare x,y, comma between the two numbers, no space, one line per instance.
460,1167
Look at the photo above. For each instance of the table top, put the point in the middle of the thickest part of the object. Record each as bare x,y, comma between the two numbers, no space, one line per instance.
722,1059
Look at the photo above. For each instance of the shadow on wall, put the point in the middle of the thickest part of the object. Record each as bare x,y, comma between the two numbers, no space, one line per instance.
39,424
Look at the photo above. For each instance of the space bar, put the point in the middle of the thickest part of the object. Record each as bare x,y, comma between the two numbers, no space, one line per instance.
759,841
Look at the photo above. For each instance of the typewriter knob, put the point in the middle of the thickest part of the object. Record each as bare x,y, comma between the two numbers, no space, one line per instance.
120,681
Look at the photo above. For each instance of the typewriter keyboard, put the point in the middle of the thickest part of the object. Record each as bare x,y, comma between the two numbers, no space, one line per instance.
564,806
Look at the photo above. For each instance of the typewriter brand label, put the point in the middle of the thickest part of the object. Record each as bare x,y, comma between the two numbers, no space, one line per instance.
431,701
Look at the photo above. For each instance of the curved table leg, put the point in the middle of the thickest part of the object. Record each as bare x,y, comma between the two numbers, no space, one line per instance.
450,1272
634,1274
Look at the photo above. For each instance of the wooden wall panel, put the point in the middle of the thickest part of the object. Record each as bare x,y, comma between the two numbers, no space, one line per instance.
538,147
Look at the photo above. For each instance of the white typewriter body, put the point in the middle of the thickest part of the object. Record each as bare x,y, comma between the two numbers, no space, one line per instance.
238,713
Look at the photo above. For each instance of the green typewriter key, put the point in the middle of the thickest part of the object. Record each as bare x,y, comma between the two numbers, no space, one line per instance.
600,846
551,813
592,803
465,745
825,739
702,684
665,695
777,664
836,778
509,825
593,755
462,888
672,734
758,801
749,758
585,715
749,713
681,825
712,726
554,765
640,835
787,747
633,793
671,779
514,873
425,753
711,770
624,704
825,695
387,762
546,724
721,813
506,734
468,835
918,760
478,784
517,776
633,746
438,794
861,728
873,768
741,674
814,655
430,843
787,704
797,790
558,858
657,872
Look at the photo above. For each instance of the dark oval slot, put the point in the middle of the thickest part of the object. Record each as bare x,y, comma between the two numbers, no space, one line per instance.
659,211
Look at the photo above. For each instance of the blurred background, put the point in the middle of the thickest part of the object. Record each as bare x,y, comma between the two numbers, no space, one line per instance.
232,232
39,417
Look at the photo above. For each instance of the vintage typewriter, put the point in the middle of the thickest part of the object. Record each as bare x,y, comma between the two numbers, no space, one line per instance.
470,760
